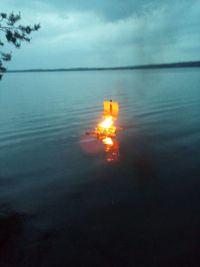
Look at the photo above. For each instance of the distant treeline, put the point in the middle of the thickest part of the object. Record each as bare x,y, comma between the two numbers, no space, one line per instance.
190,64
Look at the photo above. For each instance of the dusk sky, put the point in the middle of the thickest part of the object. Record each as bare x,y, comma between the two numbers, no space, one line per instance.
94,33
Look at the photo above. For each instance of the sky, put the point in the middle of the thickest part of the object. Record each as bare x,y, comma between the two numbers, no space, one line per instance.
106,33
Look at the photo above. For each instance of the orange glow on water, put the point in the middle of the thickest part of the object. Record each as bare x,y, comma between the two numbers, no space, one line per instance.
112,151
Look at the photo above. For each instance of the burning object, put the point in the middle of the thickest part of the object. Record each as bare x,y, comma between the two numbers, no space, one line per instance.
106,129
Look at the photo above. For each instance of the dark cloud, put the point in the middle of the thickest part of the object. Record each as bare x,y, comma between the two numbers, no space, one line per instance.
108,33
110,10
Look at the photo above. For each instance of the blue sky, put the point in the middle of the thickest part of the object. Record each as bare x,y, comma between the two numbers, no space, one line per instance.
91,33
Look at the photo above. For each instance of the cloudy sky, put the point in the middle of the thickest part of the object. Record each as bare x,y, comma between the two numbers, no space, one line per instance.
92,33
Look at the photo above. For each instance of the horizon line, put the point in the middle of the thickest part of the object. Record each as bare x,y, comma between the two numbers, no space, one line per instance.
145,66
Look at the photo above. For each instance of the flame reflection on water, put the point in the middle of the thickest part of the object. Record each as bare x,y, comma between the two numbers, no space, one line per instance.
111,147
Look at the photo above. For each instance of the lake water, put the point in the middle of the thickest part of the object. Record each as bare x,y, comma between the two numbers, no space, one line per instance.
65,203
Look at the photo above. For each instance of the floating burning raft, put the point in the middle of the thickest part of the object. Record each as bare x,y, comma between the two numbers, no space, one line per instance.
106,129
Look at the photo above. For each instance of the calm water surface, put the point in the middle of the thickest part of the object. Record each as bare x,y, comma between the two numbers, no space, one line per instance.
63,204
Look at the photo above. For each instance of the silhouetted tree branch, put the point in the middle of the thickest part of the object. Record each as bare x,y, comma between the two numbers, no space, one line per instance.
12,32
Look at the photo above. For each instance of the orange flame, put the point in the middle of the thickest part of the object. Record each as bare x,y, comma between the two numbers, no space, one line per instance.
107,141
106,131
106,128
107,122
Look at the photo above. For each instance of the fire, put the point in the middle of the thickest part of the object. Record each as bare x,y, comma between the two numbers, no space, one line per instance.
107,123
108,141
106,128
106,132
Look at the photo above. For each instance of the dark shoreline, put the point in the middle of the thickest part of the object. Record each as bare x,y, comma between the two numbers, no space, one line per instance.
191,64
